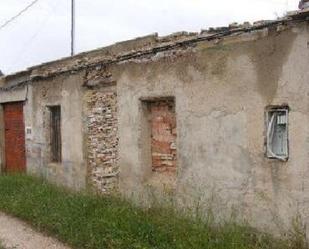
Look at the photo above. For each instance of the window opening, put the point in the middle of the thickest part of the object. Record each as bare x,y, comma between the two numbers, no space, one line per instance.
55,134
277,133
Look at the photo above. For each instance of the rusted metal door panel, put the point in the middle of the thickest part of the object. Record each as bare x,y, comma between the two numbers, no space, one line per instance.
15,152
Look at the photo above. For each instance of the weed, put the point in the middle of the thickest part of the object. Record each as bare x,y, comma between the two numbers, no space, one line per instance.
86,221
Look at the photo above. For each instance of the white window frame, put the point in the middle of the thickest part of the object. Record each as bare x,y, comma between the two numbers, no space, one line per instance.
270,129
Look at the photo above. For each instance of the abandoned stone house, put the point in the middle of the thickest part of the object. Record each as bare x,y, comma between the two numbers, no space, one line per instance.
217,118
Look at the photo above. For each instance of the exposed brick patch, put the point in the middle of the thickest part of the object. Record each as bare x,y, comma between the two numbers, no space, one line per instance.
163,136
102,140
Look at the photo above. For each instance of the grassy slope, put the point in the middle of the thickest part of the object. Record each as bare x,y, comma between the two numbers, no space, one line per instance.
87,221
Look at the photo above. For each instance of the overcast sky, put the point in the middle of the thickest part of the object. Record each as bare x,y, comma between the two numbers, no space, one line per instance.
43,32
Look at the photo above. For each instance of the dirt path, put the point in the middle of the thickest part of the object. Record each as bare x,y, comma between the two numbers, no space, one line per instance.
18,235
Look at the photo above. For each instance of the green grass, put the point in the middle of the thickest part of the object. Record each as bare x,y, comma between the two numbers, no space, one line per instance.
88,221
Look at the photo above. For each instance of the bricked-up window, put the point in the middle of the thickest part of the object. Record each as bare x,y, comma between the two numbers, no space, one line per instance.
163,135
55,133
277,133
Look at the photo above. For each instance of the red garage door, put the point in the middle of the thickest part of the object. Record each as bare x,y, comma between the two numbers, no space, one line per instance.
15,155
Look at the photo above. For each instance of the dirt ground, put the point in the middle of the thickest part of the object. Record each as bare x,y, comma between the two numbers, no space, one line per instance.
15,234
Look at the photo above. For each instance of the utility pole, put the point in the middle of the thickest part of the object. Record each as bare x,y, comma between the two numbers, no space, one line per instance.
72,27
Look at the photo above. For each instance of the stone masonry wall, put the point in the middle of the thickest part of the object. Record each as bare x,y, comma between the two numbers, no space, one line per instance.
102,140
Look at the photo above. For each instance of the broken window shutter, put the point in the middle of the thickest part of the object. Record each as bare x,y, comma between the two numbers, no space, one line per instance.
277,134
270,134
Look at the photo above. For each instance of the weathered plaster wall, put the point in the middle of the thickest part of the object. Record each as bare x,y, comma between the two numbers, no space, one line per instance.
221,92
66,91
19,94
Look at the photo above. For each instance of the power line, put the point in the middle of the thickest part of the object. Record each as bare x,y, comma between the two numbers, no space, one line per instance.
27,44
18,14
23,52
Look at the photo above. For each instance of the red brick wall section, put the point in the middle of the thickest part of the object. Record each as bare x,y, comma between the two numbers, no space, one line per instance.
14,137
163,136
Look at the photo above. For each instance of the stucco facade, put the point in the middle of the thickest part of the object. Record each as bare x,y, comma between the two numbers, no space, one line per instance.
220,84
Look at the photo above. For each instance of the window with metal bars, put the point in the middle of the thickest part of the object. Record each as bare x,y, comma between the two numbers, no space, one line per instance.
277,133
55,133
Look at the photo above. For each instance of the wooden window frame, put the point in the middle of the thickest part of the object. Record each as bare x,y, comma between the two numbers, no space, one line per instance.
270,126
55,134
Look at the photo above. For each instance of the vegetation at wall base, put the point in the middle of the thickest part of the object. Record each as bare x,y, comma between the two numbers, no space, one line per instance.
87,221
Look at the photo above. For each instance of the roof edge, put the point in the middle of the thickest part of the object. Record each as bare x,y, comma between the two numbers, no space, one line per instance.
144,45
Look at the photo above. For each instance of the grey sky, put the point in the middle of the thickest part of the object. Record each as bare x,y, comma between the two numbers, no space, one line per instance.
43,32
